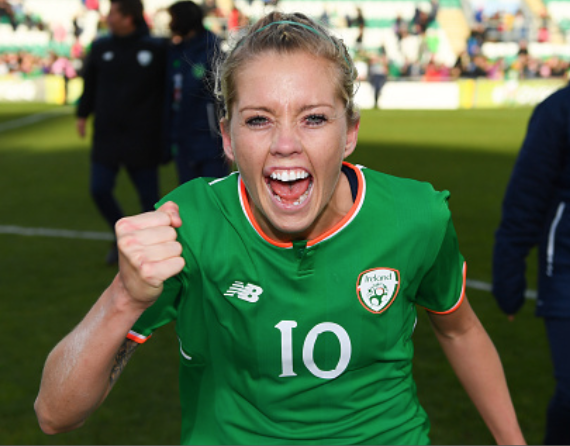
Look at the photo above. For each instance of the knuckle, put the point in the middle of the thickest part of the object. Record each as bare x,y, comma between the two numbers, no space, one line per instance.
147,272
123,225
125,242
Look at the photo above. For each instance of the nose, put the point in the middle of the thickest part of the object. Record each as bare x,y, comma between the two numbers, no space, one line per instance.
285,141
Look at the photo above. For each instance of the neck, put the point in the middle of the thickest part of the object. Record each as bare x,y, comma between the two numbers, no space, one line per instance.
190,35
127,31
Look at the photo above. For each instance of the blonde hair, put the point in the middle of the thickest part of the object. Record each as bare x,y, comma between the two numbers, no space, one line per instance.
286,33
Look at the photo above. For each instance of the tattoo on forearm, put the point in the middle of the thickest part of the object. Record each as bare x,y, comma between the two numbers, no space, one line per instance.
123,355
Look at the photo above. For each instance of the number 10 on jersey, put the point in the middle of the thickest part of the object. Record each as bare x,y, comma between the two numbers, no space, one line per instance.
286,329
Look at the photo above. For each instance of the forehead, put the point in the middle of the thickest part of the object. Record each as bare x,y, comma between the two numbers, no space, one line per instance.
287,77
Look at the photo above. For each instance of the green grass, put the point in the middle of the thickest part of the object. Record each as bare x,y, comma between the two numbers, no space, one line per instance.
49,283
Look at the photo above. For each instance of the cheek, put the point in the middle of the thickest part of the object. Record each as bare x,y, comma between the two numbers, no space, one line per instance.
246,162
331,158
249,150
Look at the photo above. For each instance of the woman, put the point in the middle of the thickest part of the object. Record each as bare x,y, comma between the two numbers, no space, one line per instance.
294,282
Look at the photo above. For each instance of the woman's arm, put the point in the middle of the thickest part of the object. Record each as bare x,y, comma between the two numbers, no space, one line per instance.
476,363
82,368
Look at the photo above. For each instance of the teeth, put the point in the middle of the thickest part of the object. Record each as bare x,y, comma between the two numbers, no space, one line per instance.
303,197
289,175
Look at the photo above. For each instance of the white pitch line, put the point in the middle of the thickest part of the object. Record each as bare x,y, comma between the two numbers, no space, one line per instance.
60,233
92,235
32,119
484,286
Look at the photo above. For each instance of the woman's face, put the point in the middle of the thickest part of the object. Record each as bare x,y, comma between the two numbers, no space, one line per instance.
288,136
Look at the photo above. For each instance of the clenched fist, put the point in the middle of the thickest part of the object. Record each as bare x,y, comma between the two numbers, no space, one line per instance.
148,252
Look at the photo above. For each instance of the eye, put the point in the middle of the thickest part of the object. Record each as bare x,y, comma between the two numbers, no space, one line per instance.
256,121
315,120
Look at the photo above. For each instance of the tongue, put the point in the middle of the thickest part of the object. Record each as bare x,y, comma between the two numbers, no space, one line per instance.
290,191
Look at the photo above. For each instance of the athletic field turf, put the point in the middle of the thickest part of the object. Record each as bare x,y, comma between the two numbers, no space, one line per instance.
53,244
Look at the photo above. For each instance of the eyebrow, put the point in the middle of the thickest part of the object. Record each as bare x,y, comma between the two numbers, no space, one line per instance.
269,110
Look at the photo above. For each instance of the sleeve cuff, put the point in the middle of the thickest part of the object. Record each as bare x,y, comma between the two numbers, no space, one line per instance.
137,337
461,296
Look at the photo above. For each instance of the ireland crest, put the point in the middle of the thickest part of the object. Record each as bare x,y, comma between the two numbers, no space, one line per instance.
377,288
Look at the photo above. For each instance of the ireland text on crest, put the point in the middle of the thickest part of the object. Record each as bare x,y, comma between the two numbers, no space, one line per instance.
377,288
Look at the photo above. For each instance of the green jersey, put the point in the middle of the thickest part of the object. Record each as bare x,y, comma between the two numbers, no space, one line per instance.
310,341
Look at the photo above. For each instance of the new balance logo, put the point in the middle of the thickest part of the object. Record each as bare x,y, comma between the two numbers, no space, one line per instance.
249,292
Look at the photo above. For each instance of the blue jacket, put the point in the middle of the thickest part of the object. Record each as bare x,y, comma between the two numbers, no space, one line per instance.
536,212
191,110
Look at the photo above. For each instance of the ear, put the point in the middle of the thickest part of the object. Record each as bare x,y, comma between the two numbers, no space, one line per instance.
351,138
227,139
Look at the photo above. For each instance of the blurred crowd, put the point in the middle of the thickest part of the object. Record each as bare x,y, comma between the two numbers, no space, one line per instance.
501,26
475,65
14,13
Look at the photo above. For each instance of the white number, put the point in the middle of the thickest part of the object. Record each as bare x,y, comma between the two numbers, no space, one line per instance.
286,329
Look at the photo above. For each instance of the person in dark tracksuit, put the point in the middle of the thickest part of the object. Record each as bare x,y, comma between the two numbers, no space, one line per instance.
536,212
191,115
124,89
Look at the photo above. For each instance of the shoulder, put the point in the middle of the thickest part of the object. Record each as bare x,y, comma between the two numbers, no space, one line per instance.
560,94
201,193
413,203
404,190
212,38
560,99
159,42
155,44
101,43
206,41
549,117
206,207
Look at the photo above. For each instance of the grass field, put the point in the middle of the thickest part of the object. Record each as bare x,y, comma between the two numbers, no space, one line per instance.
49,282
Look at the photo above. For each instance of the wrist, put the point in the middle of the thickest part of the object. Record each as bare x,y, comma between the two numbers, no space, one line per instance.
123,300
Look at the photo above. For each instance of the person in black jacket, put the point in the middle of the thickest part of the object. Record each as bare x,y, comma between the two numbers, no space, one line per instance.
535,214
124,89
191,115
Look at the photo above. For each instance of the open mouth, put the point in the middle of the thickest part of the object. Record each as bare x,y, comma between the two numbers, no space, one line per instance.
290,187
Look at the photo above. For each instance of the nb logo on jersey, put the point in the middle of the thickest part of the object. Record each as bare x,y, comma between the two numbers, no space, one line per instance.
249,292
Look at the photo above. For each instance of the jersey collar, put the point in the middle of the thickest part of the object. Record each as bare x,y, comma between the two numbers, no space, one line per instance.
324,236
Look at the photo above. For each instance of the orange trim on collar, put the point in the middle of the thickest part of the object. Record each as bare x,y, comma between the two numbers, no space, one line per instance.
345,220
353,210
253,221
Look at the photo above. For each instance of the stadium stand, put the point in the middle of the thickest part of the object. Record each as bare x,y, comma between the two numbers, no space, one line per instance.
410,33
559,11
449,31
380,17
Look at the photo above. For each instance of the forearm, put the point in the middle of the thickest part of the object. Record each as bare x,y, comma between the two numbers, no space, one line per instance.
81,370
478,367
78,373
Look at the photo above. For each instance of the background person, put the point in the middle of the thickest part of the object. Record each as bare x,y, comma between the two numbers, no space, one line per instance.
193,135
295,291
534,214
124,88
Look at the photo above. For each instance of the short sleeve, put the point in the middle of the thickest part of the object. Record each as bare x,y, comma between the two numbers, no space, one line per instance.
163,311
442,289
